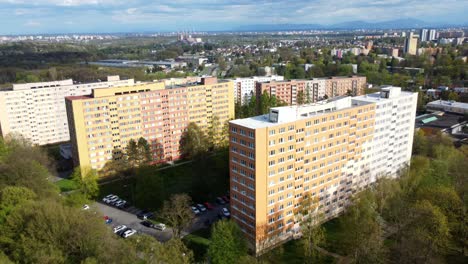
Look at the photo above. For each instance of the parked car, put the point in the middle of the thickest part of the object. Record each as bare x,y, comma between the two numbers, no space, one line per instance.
147,224
160,227
143,215
119,228
120,203
195,210
85,207
129,232
219,200
226,212
110,198
201,208
209,206
226,199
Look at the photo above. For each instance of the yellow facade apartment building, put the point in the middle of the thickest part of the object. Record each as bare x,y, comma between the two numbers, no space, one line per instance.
329,150
102,124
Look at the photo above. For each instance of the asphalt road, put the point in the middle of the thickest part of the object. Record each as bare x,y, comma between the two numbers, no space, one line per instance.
128,217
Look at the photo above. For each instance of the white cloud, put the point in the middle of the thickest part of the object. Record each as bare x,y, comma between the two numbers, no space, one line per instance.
32,24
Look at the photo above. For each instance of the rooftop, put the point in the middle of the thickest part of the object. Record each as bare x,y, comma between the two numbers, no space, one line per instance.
442,103
439,120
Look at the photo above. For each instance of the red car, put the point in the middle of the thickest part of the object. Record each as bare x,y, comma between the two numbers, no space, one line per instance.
208,206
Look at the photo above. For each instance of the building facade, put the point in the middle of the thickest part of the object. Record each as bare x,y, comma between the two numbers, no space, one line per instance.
328,150
411,44
312,90
102,124
244,88
37,110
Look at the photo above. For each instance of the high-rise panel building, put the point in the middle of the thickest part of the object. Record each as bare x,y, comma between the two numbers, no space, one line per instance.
424,35
244,88
37,110
315,89
432,34
328,150
411,44
102,124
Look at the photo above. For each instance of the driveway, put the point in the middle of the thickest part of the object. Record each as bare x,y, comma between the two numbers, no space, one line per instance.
129,218
120,217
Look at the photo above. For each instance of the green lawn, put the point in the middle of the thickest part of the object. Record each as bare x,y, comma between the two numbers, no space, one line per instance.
291,252
66,185
198,242
333,236
203,180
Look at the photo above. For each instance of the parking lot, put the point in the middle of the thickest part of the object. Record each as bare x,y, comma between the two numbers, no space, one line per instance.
128,217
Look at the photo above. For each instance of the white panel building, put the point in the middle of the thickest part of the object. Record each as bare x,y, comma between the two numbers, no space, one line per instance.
37,110
392,144
244,88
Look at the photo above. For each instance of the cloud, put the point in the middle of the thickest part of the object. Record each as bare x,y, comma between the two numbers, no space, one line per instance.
112,15
32,24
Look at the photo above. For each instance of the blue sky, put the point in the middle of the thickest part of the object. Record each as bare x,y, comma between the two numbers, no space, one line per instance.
68,16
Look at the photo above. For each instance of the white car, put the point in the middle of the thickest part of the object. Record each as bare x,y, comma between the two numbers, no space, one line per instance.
119,228
120,203
110,198
160,227
201,207
85,207
195,210
128,233
226,212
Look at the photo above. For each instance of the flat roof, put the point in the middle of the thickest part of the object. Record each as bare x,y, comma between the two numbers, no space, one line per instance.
448,104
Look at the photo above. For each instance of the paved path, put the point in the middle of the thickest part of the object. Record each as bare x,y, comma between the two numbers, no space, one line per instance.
128,217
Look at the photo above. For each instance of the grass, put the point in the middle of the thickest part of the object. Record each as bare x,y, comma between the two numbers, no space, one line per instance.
292,252
66,185
198,242
203,180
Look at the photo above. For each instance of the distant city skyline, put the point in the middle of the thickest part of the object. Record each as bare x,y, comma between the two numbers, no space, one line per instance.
109,16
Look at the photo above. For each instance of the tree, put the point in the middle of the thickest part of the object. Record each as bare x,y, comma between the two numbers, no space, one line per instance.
194,142
86,178
265,101
132,153
363,237
426,235
152,251
143,152
177,213
453,96
11,197
420,143
47,231
313,233
214,135
227,243
300,98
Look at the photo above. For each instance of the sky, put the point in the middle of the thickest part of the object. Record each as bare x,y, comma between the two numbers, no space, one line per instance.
109,16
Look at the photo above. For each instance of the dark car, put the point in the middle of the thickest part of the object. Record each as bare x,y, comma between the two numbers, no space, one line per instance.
145,215
208,206
226,199
219,200
147,224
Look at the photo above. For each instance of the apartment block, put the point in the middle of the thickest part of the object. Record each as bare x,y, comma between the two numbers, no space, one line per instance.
313,90
330,149
244,88
37,110
102,124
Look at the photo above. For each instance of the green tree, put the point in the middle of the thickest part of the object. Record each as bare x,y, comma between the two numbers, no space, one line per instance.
143,152
86,178
13,196
176,211
132,153
152,251
363,237
300,98
214,135
313,233
420,143
265,103
426,235
194,142
227,243
453,96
